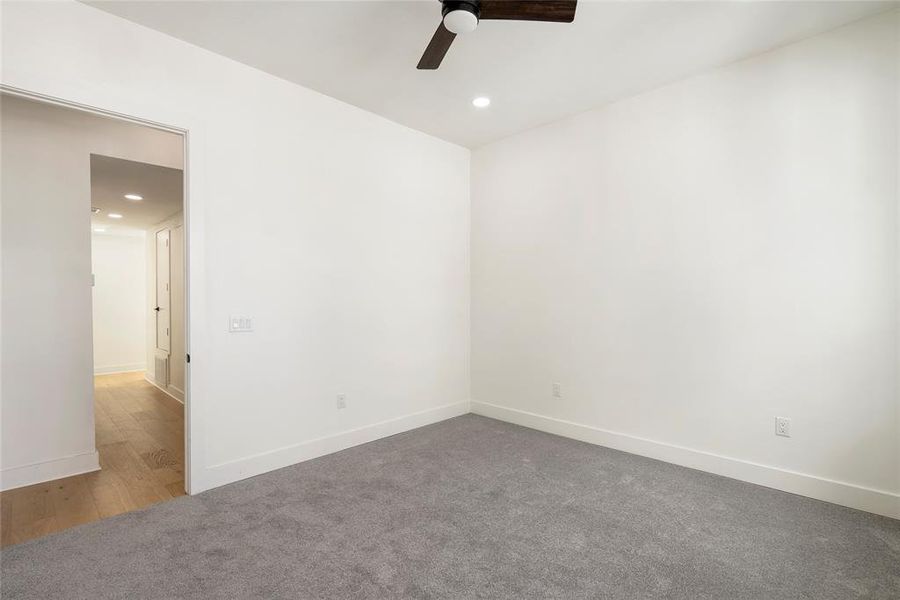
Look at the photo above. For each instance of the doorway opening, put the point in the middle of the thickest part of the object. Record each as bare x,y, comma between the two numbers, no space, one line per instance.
102,204
137,241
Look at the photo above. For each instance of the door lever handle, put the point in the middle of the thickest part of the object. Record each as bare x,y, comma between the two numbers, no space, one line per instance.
156,309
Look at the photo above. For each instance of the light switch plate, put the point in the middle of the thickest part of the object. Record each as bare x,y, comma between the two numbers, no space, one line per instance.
238,324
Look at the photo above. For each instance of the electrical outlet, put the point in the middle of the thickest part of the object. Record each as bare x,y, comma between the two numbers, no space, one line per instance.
341,401
557,390
783,426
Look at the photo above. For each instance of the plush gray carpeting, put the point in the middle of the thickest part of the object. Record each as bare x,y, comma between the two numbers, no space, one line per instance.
471,508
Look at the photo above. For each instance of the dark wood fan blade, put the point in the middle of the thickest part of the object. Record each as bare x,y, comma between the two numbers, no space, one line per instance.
557,11
437,48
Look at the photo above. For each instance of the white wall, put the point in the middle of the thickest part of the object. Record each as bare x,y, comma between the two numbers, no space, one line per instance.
119,301
692,262
177,362
47,360
343,234
677,261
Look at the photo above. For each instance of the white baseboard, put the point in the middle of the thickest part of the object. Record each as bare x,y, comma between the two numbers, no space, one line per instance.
171,391
129,368
232,471
16,477
837,492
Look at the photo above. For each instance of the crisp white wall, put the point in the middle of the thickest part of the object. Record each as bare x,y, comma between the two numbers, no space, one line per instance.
694,261
178,365
343,234
46,397
119,301
897,363
677,260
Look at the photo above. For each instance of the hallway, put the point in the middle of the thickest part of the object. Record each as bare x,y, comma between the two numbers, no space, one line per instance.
140,439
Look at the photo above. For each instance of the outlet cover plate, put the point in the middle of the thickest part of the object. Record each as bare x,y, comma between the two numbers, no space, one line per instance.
783,426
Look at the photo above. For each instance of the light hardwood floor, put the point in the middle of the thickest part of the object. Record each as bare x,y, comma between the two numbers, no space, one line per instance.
140,438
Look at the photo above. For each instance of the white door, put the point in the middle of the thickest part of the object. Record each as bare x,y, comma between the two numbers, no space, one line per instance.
163,314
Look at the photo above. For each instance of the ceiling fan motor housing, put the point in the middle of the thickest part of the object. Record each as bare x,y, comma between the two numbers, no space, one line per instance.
460,16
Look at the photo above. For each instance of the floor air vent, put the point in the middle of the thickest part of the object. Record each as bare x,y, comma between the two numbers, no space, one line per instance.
161,372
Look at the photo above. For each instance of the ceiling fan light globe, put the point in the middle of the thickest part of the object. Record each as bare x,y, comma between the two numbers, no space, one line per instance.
460,21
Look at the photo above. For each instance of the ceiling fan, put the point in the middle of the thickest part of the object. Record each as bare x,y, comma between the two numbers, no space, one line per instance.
462,16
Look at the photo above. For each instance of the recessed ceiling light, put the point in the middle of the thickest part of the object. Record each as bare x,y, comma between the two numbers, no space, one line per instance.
481,102
133,197
99,229
114,216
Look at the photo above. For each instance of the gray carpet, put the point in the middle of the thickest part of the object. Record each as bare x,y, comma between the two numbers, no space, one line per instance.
471,508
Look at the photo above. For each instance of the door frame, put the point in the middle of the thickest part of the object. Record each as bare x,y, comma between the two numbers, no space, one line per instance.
192,439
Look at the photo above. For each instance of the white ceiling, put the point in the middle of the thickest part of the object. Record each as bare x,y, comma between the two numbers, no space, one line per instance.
365,52
112,178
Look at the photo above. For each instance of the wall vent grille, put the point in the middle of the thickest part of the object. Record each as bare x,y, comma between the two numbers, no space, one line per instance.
161,373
